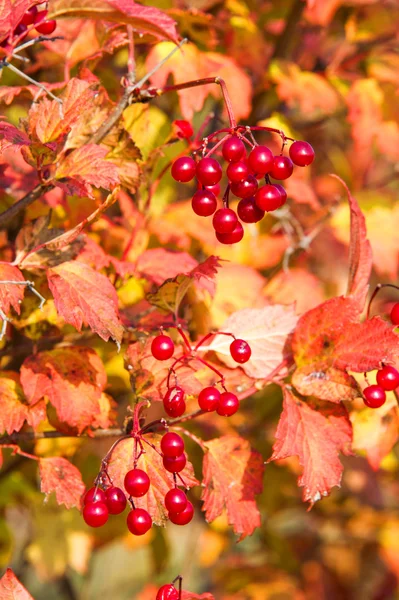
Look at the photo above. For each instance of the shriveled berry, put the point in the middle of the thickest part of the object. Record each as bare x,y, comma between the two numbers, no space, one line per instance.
233,149
95,514
224,220
245,188
183,169
137,483
388,378
139,521
208,398
231,238
248,211
167,592
46,27
209,171
240,351
94,495
204,203
162,347
172,444
184,129
173,402
29,16
268,197
301,153
374,396
237,171
260,160
228,404
282,167
116,500
20,29
175,464
175,500
395,314
184,517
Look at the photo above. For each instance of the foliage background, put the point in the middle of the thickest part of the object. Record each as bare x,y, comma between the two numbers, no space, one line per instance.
325,71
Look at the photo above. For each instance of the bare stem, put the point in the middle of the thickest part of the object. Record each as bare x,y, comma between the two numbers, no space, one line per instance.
15,209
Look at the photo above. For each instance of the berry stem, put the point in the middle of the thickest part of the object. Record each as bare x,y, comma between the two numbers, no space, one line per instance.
185,338
216,146
192,437
379,287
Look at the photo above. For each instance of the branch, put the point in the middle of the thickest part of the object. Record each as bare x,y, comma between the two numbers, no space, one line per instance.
283,46
30,436
15,209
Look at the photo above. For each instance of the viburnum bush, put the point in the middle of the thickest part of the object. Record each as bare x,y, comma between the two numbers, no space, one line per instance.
186,318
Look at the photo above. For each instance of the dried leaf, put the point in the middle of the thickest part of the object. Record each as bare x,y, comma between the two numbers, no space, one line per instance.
233,475
315,432
326,384
83,296
60,476
12,589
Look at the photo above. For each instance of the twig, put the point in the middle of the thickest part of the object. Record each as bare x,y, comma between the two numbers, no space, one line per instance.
15,209
30,436
36,83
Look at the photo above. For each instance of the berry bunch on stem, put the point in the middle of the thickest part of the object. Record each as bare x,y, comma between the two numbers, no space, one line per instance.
34,19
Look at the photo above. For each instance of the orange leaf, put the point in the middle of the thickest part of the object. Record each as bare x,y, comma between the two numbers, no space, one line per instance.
326,384
151,462
60,476
315,432
12,589
158,264
10,295
297,286
72,378
83,296
13,410
266,330
232,477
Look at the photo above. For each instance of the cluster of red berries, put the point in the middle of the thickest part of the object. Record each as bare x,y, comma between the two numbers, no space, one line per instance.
32,19
210,398
374,396
243,173
99,503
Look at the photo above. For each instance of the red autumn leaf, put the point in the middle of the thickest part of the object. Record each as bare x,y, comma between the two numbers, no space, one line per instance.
144,19
158,264
86,166
360,255
151,462
325,383
331,335
12,589
297,286
315,432
11,295
149,375
267,331
11,12
72,378
84,297
60,476
13,410
48,123
232,478
12,136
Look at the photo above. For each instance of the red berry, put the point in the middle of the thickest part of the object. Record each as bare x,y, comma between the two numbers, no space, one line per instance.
204,203
95,514
40,16
162,347
231,238
20,29
183,129
228,404
167,592
209,171
269,197
175,464
116,500
172,444
175,500
240,351
184,517
388,378
94,495
183,169
224,220
282,191
173,402
301,153
233,149
46,27
215,189
374,396
139,521
208,398
29,16
237,171
282,167
245,188
260,160
137,483
395,314
248,211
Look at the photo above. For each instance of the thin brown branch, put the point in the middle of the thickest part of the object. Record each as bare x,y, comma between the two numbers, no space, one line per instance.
20,205
31,436
283,47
